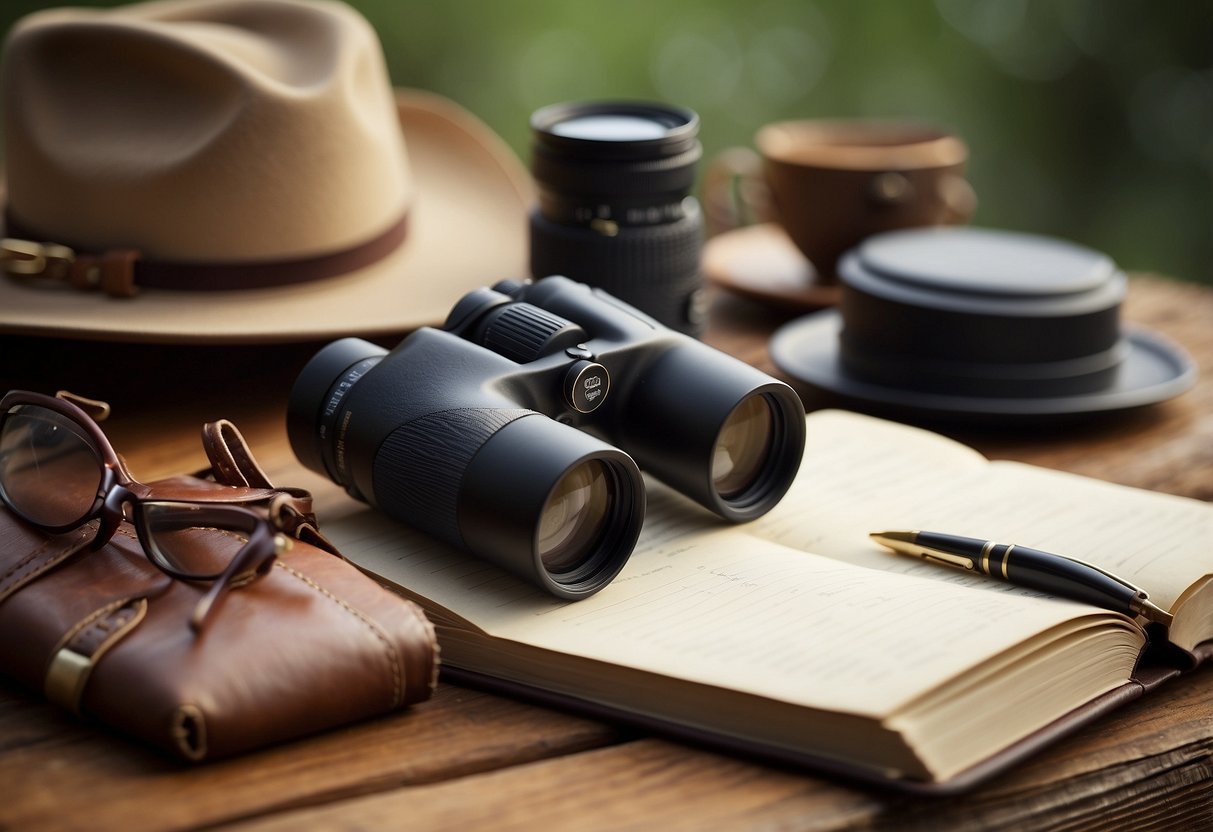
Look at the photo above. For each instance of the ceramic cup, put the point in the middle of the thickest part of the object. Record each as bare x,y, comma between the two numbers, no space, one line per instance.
833,183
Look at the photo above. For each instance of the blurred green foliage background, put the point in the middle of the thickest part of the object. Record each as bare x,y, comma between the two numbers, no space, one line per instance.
1086,119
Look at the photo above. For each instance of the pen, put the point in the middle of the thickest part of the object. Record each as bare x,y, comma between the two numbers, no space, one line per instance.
1030,568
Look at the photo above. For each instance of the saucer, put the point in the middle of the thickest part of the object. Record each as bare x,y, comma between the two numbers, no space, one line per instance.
1153,370
974,323
762,263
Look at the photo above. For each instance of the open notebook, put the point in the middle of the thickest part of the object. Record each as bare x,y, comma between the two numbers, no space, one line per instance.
799,637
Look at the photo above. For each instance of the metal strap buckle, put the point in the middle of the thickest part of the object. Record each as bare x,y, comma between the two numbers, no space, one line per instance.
112,271
34,259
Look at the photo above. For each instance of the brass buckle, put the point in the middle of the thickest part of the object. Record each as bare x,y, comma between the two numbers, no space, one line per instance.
33,259
112,271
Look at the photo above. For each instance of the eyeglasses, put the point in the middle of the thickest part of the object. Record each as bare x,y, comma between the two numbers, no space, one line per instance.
58,471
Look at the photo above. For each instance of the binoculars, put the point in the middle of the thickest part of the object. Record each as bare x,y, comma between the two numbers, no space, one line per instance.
514,432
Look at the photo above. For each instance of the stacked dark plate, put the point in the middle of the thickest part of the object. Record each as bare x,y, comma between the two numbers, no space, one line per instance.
977,324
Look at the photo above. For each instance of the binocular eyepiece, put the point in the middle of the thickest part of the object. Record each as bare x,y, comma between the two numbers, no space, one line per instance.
511,432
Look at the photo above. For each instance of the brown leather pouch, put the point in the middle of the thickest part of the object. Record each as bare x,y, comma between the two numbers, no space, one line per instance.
312,644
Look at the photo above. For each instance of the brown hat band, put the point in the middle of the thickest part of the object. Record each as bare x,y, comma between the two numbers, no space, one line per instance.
121,272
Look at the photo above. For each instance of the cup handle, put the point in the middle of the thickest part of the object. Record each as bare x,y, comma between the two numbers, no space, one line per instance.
890,189
734,191
959,199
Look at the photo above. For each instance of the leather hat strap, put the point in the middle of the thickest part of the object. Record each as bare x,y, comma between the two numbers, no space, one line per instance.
120,272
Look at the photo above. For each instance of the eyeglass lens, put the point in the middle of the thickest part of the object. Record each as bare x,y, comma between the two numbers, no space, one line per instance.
174,540
50,470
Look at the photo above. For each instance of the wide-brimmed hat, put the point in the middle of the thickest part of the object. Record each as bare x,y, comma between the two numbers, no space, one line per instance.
245,169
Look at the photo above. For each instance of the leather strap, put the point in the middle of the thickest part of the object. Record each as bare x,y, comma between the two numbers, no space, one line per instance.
120,272
233,464
84,645
54,551
231,460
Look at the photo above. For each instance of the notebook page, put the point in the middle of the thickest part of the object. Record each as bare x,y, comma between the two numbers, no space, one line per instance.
711,604
863,475
732,612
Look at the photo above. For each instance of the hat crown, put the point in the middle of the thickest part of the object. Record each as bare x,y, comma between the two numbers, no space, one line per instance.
210,131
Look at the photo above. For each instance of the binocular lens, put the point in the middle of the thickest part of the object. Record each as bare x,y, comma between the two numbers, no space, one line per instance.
574,518
552,504
743,446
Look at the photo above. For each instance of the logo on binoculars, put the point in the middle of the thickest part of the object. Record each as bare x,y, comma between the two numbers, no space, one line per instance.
593,388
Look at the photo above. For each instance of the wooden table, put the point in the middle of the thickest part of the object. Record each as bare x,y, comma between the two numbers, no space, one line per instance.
469,758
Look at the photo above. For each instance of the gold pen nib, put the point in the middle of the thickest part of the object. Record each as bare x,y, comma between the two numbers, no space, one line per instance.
906,543
1148,610
902,542
882,537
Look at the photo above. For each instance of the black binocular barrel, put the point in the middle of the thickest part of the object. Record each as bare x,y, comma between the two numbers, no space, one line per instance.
552,504
549,503
720,431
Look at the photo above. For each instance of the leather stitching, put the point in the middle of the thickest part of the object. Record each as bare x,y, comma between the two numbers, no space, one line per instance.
88,640
394,660
88,621
31,556
29,567
230,456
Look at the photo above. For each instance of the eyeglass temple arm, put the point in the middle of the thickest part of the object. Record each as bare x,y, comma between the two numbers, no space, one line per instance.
255,558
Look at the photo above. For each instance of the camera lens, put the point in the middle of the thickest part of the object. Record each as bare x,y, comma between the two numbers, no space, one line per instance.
574,517
615,209
613,127
743,447
637,155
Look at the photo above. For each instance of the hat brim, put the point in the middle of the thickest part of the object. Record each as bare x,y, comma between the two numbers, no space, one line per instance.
467,228
807,350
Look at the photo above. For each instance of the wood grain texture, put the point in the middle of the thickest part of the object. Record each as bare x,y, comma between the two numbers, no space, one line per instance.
1140,769
473,759
59,773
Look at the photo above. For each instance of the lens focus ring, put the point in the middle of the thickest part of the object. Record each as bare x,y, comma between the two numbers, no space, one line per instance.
603,181
522,332
654,268
419,468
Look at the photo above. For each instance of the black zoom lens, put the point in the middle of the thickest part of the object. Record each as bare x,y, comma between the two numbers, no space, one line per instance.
615,209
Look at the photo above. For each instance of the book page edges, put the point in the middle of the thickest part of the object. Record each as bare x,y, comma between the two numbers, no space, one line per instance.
1015,697
681,707
913,777
976,716
1193,613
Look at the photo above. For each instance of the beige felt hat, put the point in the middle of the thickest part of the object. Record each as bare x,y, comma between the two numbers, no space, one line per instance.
244,168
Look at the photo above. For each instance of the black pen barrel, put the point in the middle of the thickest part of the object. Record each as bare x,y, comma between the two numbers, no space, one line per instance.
952,543
1034,569
1056,575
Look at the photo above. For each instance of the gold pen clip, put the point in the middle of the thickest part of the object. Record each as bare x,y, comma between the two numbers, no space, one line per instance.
905,546
945,558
